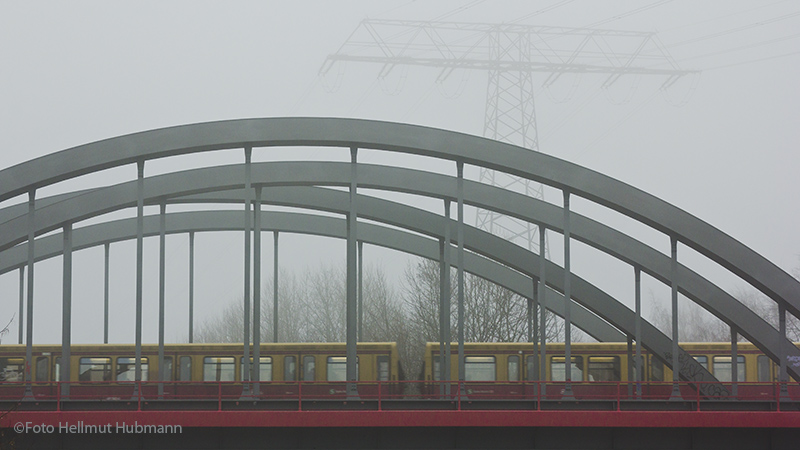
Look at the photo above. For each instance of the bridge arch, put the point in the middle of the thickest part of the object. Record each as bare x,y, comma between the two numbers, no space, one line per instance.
394,137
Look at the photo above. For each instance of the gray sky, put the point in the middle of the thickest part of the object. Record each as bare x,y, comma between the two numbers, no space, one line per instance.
84,71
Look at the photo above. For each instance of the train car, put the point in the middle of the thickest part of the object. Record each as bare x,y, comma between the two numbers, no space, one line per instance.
599,370
201,370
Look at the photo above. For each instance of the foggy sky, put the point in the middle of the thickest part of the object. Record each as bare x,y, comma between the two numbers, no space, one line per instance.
78,72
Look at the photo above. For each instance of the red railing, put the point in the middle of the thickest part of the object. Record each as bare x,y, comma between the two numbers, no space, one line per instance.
428,394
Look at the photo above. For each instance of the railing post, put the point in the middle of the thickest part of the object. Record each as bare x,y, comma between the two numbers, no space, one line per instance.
698,395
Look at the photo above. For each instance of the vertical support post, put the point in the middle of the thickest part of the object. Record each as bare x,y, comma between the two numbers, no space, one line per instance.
782,376
533,321
441,319
21,301
567,302
638,329
734,362
352,314
460,237
29,321
529,315
105,292
630,365
275,288
162,280
543,316
66,311
139,274
676,393
191,287
444,361
257,292
360,290
248,152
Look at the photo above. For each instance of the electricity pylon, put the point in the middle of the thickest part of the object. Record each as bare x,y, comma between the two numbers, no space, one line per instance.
511,53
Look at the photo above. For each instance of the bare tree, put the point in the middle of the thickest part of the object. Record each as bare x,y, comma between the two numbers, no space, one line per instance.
311,308
6,330
493,313
695,324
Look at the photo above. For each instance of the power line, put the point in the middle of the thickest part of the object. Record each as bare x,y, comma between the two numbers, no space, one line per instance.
736,30
629,13
753,61
458,10
542,11
743,47
722,17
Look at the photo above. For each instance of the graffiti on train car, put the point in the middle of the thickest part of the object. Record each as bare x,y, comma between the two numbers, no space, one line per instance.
693,371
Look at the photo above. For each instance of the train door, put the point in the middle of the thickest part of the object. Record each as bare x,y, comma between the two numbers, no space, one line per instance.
383,373
513,374
291,373
308,373
183,386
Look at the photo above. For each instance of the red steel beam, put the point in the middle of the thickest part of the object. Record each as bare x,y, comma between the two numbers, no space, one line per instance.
339,418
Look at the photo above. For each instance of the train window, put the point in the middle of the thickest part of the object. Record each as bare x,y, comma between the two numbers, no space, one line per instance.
94,369
656,370
12,369
126,369
722,368
480,368
57,368
41,368
218,368
185,368
309,368
558,368
337,368
702,360
604,368
289,368
513,368
764,364
436,368
264,369
383,368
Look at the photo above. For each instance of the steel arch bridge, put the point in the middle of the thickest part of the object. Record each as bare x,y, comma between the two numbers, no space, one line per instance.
391,224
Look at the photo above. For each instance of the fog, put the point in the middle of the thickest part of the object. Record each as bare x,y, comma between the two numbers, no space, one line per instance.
720,144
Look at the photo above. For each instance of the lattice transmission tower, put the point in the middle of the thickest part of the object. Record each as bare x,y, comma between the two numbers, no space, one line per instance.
511,53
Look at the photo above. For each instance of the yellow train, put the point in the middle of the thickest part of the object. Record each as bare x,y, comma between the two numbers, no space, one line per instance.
593,362
500,369
192,369
598,369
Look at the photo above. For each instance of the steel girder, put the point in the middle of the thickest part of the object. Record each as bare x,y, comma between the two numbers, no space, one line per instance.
69,207
203,180
337,132
214,221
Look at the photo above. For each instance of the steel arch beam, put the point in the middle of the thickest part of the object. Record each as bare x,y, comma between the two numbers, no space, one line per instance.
336,132
88,203
203,180
210,221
